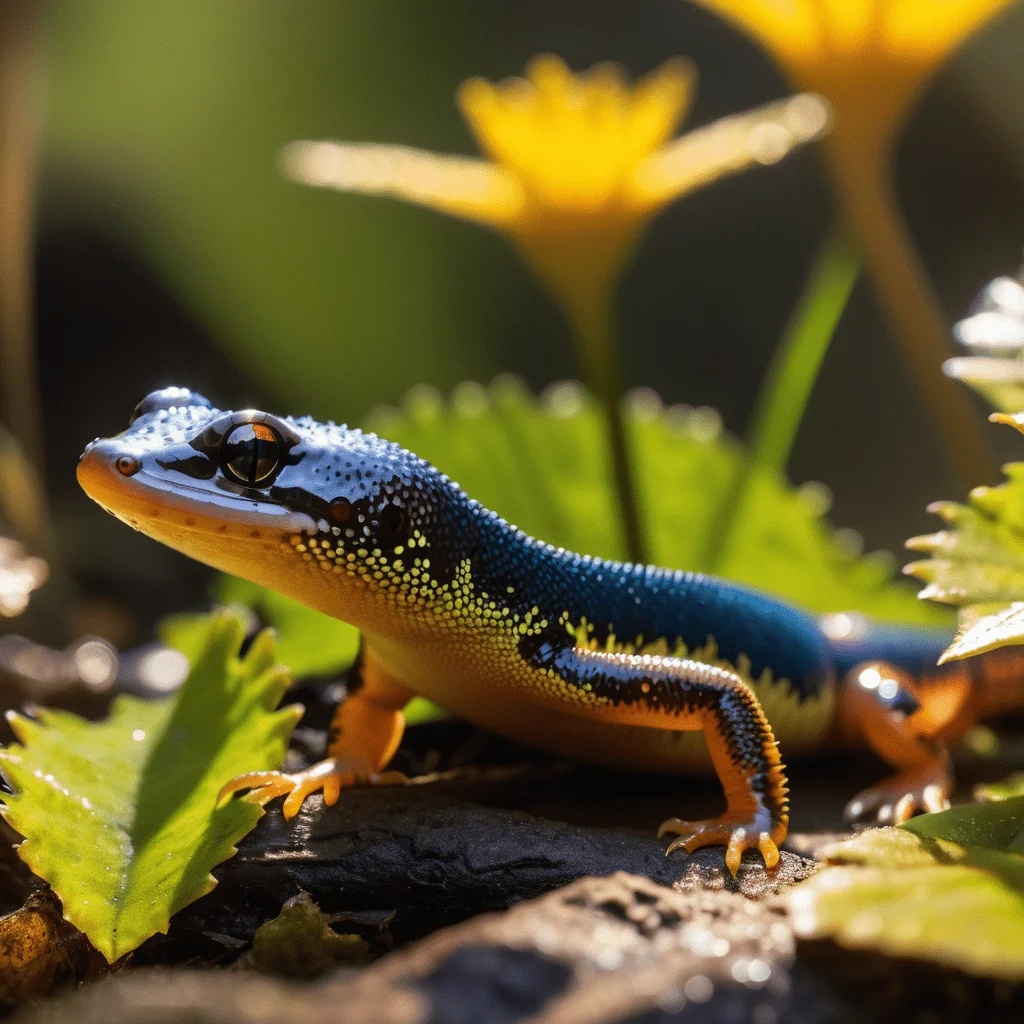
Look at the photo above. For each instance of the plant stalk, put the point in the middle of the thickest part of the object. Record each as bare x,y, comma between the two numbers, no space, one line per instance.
908,302
794,368
593,327
790,379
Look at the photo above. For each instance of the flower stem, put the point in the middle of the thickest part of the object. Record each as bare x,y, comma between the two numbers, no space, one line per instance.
794,368
593,326
909,304
790,379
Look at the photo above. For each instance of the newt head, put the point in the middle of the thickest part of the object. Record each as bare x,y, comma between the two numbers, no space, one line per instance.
339,519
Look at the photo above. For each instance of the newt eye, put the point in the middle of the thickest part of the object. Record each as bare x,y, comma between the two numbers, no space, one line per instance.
250,455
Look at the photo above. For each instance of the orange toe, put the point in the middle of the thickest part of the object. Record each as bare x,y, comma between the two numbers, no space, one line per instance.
736,835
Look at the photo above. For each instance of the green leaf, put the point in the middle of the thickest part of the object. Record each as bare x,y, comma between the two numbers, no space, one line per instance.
120,816
908,893
1011,786
977,562
991,826
988,632
300,943
542,465
309,642
419,711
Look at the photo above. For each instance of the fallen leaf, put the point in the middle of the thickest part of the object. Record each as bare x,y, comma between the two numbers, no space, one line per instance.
947,887
300,943
120,816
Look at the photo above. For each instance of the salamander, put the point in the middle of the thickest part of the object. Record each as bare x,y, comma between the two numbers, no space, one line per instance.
604,662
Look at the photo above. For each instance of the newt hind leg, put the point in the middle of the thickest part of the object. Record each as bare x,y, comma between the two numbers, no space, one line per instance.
902,721
746,759
365,732
683,695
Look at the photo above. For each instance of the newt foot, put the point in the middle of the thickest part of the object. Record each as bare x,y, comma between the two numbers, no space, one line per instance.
332,776
900,797
735,835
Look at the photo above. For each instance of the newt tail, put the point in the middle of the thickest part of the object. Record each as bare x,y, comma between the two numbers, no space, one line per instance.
605,662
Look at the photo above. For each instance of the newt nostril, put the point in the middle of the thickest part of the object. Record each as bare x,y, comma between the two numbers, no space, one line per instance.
126,465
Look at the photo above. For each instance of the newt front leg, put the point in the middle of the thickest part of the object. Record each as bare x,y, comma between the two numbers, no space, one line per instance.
365,733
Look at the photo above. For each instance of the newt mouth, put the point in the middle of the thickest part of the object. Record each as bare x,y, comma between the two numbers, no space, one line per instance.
142,496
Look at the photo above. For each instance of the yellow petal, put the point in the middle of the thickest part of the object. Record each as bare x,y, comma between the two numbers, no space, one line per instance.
658,104
460,186
933,28
761,136
574,138
781,26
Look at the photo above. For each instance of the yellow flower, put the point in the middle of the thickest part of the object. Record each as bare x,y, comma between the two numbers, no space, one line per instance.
870,59
579,163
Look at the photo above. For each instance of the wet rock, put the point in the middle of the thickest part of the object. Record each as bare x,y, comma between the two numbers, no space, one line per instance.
620,948
425,860
615,950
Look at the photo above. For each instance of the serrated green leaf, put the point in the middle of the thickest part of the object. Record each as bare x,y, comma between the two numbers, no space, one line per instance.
915,892
189,632
977,563
309,643
988,632
120,816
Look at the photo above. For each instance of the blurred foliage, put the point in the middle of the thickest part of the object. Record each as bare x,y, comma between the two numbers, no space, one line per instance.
994,336
309,642
1011,786
170,119
947,887
121,816
977,562
578,166
300,943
